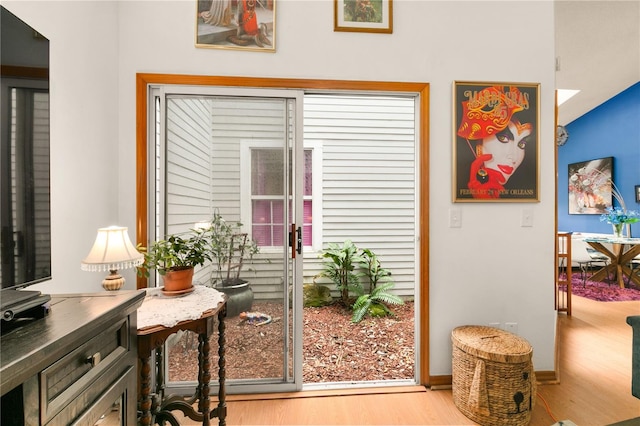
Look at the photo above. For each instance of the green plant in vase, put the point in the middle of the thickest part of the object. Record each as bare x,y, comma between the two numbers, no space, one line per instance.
619,218
228,248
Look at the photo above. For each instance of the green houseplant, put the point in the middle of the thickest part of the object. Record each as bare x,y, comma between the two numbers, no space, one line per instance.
229,248
175,257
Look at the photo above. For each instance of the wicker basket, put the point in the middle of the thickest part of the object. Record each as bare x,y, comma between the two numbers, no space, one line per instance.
493,378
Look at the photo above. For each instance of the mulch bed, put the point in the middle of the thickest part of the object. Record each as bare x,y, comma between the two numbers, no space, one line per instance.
334,349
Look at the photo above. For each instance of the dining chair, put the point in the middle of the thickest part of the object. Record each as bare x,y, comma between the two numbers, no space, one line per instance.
586,259
634,268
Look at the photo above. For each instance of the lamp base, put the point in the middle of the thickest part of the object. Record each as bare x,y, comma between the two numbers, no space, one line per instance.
113,281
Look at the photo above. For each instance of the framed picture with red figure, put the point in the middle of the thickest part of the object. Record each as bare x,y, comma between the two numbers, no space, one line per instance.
236,24
496,142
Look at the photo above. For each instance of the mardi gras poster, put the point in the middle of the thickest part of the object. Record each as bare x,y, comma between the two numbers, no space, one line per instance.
495,153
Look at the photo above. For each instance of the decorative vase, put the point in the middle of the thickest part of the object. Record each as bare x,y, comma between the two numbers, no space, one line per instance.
239,297
617,229
179,280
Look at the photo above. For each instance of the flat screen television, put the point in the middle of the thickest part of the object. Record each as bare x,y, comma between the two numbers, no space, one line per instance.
25,215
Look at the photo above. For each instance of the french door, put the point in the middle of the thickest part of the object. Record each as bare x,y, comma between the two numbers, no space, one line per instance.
238,154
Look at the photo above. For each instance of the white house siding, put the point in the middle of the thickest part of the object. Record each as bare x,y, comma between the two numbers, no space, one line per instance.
188,169
235,122
187,163
368,175
211,130
369,178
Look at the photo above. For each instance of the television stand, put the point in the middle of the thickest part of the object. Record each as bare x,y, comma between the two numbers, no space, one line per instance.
23,304
73,366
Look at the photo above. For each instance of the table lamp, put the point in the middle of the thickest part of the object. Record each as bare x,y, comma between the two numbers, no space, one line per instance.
112,251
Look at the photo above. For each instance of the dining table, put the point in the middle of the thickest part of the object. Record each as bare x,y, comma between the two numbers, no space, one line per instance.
620,252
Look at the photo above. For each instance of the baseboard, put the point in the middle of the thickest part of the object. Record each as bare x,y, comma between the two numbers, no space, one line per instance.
440,382
547,378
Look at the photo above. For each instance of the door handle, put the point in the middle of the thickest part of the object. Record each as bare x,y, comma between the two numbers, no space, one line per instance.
295,235
292,236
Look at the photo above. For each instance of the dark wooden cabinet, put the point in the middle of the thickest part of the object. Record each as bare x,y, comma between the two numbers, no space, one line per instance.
75,365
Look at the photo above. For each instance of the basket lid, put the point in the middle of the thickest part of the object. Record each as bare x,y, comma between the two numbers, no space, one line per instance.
492,344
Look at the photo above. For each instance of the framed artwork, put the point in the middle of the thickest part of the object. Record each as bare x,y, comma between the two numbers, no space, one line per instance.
236,24
590,186
367,16
637,187
495,143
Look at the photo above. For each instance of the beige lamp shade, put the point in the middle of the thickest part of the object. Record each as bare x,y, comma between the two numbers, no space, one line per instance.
111,251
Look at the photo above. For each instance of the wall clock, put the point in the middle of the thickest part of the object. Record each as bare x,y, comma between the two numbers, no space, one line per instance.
561,135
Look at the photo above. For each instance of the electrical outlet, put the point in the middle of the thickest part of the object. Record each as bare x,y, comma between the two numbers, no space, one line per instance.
455,218
495,325
511,327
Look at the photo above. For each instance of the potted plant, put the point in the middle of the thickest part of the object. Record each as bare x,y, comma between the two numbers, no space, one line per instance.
175,258
228,248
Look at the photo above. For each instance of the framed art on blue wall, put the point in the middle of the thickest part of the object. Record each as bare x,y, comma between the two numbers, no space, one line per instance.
590,186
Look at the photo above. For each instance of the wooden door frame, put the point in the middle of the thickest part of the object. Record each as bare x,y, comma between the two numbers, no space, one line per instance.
143,80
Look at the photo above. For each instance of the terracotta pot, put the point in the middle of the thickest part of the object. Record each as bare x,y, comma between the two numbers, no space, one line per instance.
178,280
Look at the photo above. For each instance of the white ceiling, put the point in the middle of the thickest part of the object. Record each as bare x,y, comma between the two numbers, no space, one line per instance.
598,52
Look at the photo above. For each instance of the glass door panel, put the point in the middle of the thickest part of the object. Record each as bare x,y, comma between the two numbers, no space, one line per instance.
232,157
364,156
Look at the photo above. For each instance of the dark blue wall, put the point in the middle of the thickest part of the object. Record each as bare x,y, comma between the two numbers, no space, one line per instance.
609,130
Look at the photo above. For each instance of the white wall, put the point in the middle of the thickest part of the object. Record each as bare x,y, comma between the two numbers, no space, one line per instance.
489,270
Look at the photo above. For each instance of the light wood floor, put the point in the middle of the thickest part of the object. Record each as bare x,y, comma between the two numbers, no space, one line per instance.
594,389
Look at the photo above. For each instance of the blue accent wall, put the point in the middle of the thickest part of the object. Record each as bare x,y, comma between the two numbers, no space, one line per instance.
610,130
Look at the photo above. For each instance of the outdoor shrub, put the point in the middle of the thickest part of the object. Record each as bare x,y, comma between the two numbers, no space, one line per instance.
379,296
344,265
339,266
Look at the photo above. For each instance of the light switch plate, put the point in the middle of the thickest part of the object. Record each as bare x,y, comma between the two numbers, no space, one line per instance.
455,217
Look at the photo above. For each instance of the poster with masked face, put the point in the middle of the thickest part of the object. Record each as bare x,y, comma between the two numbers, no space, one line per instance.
495,152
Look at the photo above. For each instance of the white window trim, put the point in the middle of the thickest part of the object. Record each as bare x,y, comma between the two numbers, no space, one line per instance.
316,197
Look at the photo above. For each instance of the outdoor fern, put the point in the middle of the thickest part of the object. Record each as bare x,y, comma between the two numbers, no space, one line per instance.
378,298
379,285
339,265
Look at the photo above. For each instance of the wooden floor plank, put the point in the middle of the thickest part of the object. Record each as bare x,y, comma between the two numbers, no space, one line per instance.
595,385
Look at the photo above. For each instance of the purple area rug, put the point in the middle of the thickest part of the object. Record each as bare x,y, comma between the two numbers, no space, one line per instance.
602,291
